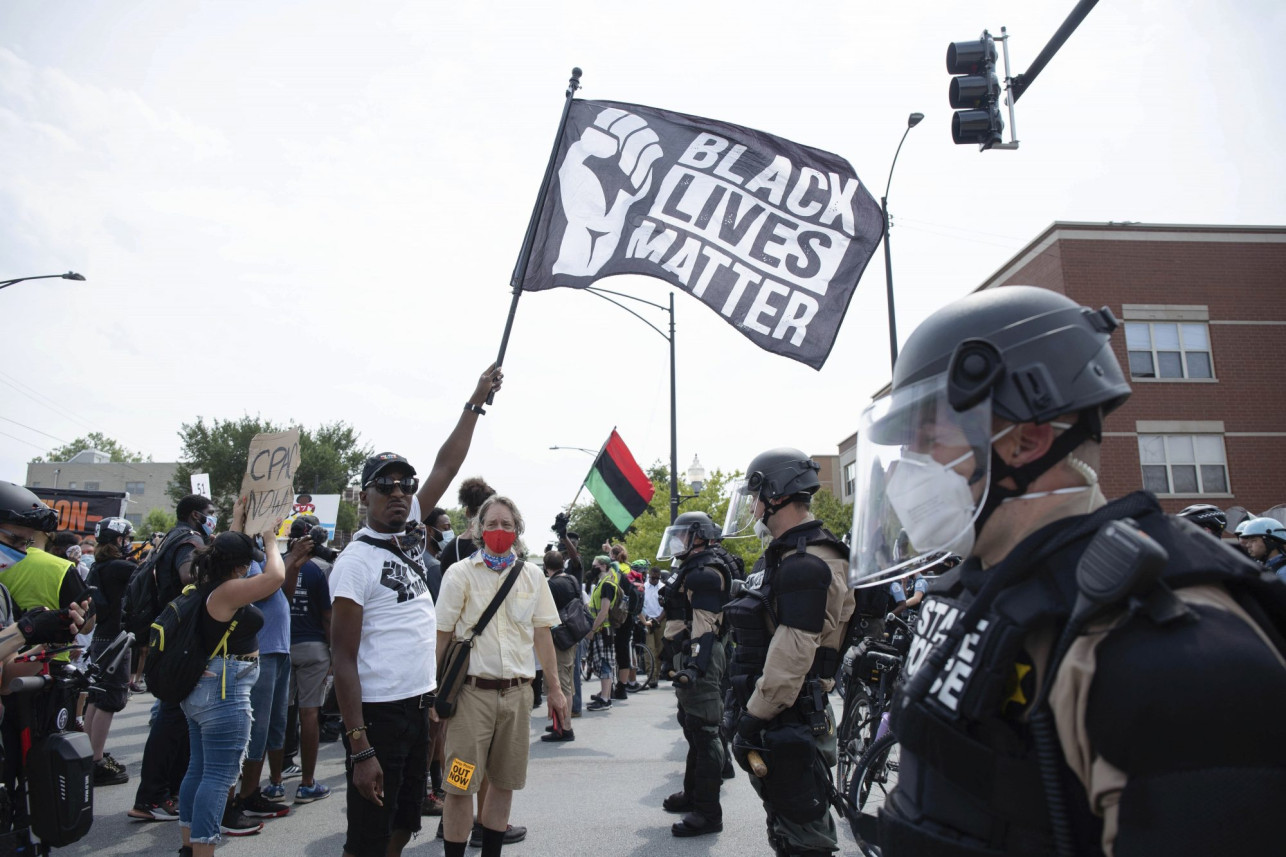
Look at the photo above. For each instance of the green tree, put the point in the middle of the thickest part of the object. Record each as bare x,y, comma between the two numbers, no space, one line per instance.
93,440
330,456
644,538
837,516
157,521
346,520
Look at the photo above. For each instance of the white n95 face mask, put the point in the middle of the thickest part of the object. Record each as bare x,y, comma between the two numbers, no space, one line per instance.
933,503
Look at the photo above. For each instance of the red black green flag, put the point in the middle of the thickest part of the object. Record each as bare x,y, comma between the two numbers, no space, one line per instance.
619,485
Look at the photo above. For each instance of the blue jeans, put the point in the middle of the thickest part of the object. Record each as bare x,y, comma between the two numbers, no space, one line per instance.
269,701
218,731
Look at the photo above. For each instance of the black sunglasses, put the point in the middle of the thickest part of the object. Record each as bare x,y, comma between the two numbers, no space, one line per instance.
386,484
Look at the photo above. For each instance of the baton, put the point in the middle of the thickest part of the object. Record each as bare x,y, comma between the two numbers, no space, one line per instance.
757,764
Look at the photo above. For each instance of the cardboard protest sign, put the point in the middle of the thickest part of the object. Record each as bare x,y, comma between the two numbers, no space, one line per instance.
270,471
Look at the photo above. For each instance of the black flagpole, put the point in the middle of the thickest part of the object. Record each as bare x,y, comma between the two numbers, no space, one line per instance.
520,269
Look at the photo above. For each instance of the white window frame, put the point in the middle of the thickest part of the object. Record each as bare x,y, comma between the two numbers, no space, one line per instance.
1197,463
1182,352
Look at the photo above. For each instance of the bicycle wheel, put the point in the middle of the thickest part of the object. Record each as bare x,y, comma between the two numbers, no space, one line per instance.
645,664
856,731
875,776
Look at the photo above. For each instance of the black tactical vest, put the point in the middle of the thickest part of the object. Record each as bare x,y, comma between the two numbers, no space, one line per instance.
752,616
969,779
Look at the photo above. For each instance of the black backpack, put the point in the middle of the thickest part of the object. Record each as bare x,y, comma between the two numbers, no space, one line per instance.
175,657
141,601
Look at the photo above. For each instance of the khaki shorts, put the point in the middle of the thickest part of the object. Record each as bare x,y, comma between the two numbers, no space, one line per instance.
490,735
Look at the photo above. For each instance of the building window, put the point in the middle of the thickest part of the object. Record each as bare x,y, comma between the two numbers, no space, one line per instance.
850,478
91,486
71,485
1168,349
134,488
35,485
1184,463
136,520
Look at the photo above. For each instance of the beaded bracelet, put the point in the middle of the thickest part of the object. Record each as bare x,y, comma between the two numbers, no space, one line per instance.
368,753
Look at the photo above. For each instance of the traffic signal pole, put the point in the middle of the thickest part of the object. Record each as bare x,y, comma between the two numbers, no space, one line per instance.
1020,83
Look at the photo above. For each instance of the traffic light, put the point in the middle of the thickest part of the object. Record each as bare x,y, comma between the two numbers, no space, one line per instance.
975,92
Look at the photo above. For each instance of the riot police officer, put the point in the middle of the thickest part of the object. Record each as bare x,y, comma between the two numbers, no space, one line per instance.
789,630
694,602
988,447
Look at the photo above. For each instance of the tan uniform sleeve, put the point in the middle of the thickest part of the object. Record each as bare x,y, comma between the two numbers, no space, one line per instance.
705,622
791,652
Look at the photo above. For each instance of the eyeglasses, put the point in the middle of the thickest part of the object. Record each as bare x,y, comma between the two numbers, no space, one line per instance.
386,484
23,542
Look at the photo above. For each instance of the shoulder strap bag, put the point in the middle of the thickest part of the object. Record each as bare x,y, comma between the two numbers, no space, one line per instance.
455,663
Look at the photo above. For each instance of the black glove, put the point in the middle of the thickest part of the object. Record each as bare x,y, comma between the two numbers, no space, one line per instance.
749,726
41,625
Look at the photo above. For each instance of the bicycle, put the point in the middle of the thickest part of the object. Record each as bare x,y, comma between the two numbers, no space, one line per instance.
873,674
53,775
642,661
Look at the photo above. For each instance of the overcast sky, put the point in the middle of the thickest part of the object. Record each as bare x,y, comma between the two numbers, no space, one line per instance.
309,210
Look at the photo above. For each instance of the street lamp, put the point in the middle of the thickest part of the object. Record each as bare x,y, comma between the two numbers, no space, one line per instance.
911,122
70,275
674,420
577,448
696,475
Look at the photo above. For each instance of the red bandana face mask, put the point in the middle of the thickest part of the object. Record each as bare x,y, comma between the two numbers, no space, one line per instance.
498,542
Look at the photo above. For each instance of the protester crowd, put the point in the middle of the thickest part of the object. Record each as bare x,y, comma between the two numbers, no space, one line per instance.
426,651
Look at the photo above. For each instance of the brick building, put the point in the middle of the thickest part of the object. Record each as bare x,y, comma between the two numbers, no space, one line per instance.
1203,311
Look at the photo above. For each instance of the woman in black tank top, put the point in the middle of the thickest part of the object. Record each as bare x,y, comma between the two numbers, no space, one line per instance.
218,709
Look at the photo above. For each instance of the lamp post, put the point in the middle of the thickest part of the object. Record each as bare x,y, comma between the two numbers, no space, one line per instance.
911,122
674,432
696,478
70,275
577,448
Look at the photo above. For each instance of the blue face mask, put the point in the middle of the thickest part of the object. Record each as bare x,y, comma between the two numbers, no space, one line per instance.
447,536
10,556
208,524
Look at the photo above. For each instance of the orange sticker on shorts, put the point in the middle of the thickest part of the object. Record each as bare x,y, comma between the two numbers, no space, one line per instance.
460,775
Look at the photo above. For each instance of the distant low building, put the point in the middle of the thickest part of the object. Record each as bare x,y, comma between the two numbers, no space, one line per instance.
92,470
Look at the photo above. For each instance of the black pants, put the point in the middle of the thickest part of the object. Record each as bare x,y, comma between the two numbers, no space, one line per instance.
399,732
165,756
703,773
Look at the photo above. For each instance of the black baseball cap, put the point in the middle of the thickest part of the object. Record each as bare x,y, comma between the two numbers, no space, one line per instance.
238,547
377,464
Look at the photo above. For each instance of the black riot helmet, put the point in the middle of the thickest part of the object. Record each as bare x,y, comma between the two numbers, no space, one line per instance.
1208,517
20,507
926,463
679,538
778,474
782,472
1035,353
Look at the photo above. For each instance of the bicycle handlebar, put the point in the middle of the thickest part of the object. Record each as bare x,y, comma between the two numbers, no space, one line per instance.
29,683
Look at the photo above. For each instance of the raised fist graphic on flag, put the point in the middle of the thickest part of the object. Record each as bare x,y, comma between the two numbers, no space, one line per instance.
603,173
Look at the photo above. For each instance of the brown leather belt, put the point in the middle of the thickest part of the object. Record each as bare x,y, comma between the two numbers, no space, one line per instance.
496,683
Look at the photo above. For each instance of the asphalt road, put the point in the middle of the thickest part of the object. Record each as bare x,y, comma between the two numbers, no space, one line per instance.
599,796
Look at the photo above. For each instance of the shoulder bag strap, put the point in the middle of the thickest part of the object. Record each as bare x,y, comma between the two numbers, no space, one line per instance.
500,596
388,545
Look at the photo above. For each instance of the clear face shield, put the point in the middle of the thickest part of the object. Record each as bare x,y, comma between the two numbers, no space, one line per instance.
923,469
741,510
674,542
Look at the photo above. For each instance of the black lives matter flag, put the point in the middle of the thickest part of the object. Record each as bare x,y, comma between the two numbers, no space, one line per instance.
770,234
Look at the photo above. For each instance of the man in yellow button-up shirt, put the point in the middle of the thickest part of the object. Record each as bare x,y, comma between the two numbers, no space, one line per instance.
488,737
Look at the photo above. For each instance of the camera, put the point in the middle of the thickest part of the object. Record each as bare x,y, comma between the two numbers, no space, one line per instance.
321,550
561,520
